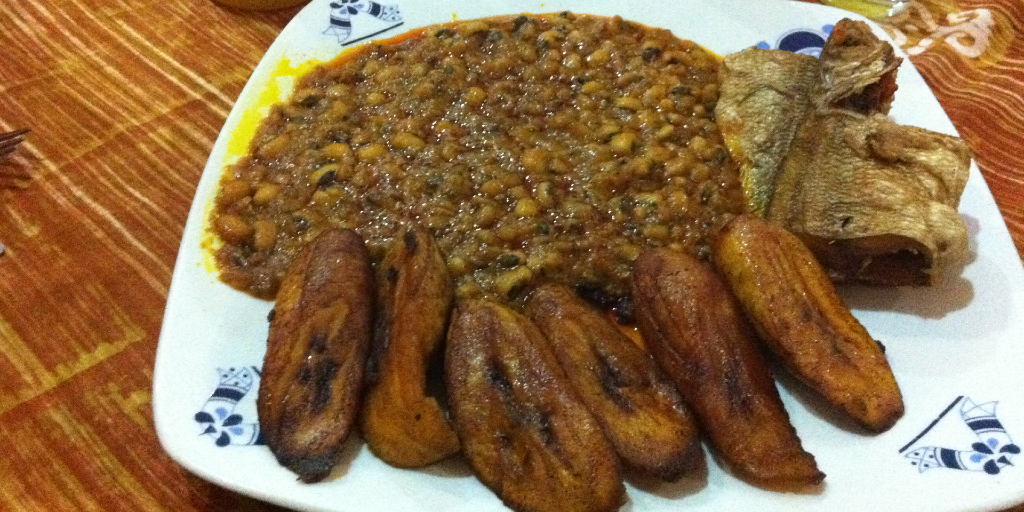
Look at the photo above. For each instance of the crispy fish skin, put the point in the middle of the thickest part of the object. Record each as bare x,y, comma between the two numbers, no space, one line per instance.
316,354
858,70
698,335
765,95
402,425
876,202
526,434
795,308
639,408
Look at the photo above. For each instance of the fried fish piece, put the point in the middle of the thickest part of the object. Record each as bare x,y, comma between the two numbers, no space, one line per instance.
765,96
858,70
401,423
316,354
795,308
639,408
698,335
526,434
875,201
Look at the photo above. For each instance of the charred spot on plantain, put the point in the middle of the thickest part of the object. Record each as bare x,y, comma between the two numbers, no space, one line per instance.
739,398
323,374
310,469
612,380
806,314
497,380
880,346
271,314
411,242
544,430
318,344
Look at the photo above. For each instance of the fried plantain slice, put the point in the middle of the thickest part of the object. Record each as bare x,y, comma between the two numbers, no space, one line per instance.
795,308
316,354
526,434
402,425
698,335
639,409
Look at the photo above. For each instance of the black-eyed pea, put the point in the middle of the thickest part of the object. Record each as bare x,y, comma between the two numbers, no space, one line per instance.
657,232
527,207
509,281
492,188
468,290
545,194
572,61
264,234
265,193
487,215
622,143
276,146
629,102
607,130
698,145
475,96
320,177
371,67
423,90
629,252
449,151
472,27
649,118
640,166
233,229
592,87
653,95
657,153
559,166
518,192
458,266
419,69
699,172
535,160
340,109
339,91
550,37
337,151
664,132
406,140
598,58
371,151
232,191
508,231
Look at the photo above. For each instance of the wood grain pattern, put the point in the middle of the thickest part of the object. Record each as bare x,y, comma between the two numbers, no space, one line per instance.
125,99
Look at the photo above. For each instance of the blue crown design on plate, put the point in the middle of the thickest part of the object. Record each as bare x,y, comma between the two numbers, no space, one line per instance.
342,14
991,451
223,418
802,40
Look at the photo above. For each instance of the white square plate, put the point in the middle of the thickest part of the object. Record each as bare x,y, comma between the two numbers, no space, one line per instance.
956,349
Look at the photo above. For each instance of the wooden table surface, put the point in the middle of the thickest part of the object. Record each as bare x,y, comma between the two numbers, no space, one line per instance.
125,99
